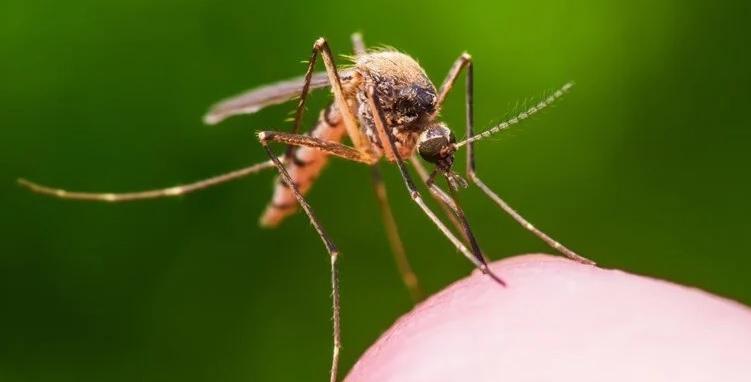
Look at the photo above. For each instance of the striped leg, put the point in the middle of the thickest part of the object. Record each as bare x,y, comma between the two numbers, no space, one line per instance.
330,248
475,256
465,61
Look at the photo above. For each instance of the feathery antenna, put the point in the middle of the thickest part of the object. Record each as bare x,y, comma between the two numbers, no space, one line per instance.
519,117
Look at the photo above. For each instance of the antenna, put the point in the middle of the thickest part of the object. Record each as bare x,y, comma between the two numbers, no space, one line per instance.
519,117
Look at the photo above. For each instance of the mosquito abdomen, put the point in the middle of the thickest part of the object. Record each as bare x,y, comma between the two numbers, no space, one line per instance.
304,165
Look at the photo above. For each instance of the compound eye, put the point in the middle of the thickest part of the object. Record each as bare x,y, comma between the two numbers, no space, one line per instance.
431,149
432,143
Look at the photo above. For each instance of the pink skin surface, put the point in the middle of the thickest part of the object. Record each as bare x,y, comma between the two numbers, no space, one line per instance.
562,321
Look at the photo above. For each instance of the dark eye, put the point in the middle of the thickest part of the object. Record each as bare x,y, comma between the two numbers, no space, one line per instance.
452,137
430,150
406,107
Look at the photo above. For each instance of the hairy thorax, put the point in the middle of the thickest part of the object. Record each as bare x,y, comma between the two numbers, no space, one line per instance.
406,97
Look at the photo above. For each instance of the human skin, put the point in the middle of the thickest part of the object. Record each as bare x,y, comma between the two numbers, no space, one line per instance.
558,320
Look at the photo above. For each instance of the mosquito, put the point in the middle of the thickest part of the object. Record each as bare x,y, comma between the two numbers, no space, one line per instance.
388,108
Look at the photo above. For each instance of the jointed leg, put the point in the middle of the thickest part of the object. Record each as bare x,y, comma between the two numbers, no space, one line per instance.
328,147
392,232
520,219
330,248
303,97
359,139
474,256
448,83
150,194
465,61
187,188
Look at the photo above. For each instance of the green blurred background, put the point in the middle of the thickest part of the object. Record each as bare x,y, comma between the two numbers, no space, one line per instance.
644,167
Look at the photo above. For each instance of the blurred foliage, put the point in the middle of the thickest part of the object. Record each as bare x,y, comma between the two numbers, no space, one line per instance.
644,167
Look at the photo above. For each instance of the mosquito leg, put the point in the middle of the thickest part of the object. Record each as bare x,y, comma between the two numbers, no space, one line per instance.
448,83
330,248
465,61
359,140
409,278
392,232
149,194
328,147
520,219
300,110
358,45
474,256
187,188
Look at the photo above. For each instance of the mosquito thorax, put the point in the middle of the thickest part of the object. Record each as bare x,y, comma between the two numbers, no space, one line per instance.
436,145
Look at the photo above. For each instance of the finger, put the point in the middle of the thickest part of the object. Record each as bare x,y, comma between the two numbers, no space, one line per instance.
563,321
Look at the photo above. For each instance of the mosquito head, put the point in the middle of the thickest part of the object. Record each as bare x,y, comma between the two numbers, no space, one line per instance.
437,145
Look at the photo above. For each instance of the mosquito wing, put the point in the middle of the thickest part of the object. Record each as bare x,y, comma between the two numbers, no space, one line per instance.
256,99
